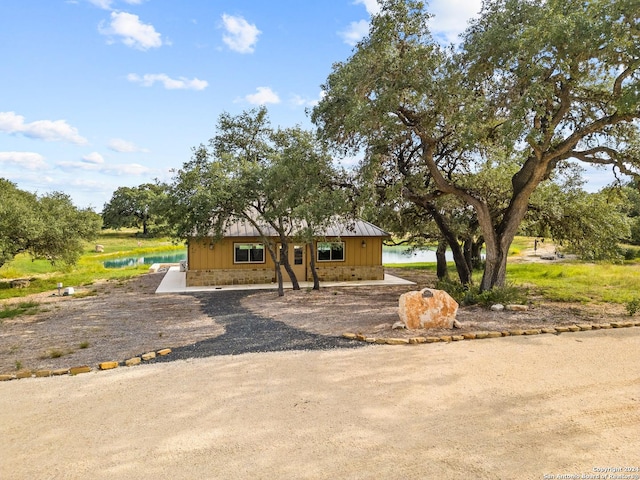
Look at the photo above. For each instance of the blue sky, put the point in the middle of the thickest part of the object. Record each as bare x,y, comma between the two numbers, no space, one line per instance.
99,94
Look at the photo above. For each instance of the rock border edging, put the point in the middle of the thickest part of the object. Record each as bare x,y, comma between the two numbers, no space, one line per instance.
110,365
488,334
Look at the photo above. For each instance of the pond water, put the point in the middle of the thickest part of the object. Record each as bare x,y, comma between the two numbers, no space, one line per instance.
403,254
170,256
396,254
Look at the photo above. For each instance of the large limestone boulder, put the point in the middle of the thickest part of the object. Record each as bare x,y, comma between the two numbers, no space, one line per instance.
427,308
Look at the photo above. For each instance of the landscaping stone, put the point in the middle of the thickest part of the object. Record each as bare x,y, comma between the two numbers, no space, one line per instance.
469,336
498,307
549,330
416,340
4,378
574,328
457,338
60,371
79,370
432,339
24,374
397,341
532,331
428,308
108,365
585,326
164,351
562,329
516,332
380,341
506,334
494,334
482,334
43,373
446,338
517,308
605,325
149,356
349,336
133,361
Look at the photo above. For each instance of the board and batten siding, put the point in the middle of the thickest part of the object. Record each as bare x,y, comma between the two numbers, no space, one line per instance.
205,255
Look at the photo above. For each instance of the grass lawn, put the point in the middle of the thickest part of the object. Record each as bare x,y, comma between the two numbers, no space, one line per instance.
45,277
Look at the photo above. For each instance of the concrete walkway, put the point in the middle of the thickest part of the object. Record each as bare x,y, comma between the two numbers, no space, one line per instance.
174,281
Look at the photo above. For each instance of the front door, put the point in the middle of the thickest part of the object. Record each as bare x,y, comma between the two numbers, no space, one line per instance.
297,260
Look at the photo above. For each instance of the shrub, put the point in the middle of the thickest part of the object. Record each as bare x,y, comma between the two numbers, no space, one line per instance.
470,295
633,307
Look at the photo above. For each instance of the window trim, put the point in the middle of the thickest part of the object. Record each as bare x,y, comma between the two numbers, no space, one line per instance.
331,250
252,244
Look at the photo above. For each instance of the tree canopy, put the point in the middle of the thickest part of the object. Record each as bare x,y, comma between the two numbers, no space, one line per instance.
49,226
532,86
275,179
143,207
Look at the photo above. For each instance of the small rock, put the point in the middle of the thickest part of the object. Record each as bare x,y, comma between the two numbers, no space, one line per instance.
498,307
20,283
60,371
133,361
494,334
108,365
532,331
517,308
416,340
349,336
432,339
585,326
149,356
469,336
4,378
482,334
397,341
549,330
446,338
24,374
43,373
561,329
79,370
574,328
516,332
398,326
457,324
457,338
164,351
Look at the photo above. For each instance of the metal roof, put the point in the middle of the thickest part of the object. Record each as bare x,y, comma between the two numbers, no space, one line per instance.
340,228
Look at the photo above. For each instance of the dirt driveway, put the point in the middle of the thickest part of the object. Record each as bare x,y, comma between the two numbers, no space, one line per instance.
528,407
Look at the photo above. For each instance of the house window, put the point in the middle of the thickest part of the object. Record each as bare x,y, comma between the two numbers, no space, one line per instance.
330,251
248,253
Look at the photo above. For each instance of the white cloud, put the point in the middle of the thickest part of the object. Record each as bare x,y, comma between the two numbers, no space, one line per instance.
133,33
263,96
48,130
451,17
355,32
122,146
93,158
106,4
28,160
241,36
169,83
372,6
108,169
300,101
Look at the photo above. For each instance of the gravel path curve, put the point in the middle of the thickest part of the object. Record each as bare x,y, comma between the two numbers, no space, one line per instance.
246,332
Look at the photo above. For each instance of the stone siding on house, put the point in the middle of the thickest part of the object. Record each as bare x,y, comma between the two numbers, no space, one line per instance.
346,273
202,278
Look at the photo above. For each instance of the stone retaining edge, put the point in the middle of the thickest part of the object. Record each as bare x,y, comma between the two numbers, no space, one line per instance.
84,368
582,327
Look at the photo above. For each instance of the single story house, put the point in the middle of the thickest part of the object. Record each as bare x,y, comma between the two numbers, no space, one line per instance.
348,251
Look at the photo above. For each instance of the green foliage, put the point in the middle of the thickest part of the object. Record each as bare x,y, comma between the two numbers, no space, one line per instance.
145,206
22,308
44,276
532,85
471,295
47,227
633,306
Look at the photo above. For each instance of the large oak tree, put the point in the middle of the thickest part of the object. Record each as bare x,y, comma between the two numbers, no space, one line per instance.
542,83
